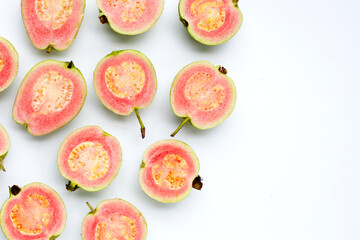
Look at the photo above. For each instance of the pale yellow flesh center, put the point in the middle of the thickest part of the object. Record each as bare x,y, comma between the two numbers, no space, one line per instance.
171,172
90,158
51,93
211,13
203,95
116,227
53,13
129,10
2,61
31,217
125,80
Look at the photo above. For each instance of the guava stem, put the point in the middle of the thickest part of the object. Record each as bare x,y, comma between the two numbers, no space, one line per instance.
49,48
2,165
141,123
181,125
70,186
91,208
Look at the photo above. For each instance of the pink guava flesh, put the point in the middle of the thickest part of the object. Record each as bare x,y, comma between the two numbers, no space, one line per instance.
211,22
203,95
114,219
52,23
131,17
51,95
89,158
168,170
35,213
9,62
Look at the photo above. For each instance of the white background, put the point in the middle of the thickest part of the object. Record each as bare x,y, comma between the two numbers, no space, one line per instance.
284,165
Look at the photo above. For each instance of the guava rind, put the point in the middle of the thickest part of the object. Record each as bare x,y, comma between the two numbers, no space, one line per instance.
155,153
43,37
123,106
58,213
110,206
96,135
226,31
185,109
40,124
148,19
4,145
10,58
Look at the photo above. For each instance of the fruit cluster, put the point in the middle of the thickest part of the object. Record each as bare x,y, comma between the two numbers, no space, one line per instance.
53,93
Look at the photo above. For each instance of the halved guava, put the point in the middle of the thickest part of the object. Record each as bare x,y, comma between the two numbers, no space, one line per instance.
114,219
35,212
51,95
4,146
125,81
89,158
52,23
211,22
202,94
9,63
169,170
130,17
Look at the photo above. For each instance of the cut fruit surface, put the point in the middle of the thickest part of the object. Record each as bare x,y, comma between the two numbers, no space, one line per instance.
114,219
51,95
211,22
203,95
52,23
35,212
4,146
168,170
9,63
89,158
130,17
125,81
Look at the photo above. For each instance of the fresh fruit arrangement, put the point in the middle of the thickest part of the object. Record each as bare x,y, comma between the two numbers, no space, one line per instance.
53,92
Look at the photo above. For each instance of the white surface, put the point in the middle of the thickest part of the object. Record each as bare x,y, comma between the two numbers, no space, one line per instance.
285,165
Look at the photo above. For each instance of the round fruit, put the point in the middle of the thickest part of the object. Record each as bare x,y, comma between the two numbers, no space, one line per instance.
35,212
114,219
203,95
168,171
51,95
125,81
52,23
4,145
89,158
130,17
9,63
211,22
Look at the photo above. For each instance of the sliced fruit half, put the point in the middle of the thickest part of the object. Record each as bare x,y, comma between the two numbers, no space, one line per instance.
203,95
125,81
114,219
130,17
89,158
9,63
51,95
52,24
35,212
4,146
169,170
211,22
